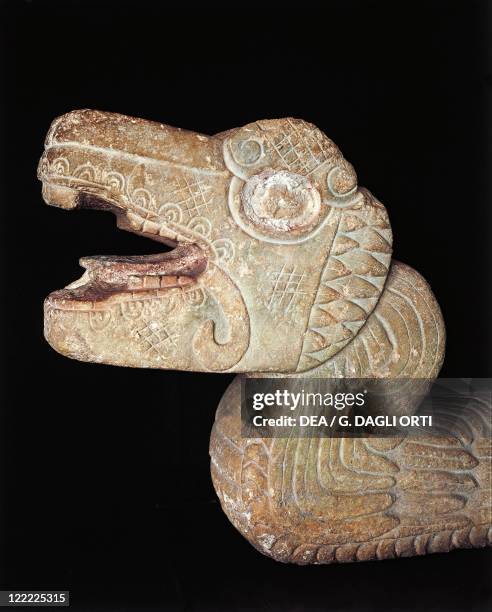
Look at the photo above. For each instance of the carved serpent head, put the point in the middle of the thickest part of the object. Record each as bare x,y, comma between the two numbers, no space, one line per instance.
279,257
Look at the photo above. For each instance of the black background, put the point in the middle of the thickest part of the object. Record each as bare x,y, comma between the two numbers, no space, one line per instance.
107,489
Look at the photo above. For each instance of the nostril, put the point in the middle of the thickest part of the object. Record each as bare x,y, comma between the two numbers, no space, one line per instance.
59,195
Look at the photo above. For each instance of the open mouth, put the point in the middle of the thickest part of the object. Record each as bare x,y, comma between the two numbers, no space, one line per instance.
278,258
90,187
112,279
172,310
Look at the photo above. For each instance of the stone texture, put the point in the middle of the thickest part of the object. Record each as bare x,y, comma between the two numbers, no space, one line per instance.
327,500
281,266
295,255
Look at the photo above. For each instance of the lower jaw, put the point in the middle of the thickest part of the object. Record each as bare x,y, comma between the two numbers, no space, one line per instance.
100,300
134,329
129,311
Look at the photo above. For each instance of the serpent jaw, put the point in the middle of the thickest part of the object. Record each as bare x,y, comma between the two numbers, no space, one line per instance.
250,204
158,311
283,266
163,311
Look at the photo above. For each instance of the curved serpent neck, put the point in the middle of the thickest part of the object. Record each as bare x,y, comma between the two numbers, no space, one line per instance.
326,500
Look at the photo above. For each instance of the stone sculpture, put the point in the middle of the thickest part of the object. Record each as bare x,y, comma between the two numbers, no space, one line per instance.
282,265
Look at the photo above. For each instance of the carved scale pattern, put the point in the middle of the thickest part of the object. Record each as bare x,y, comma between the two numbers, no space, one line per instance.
411,497
351,282
338,500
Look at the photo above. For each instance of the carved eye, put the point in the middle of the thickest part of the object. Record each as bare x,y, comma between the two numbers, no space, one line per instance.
279,202
247,152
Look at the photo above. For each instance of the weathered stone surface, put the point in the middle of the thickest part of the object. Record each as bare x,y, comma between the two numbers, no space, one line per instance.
327,500
294,255
282,266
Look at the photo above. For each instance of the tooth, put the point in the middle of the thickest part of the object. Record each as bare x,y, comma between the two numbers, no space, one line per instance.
134,282
135,221
84,279
149,227
151,282
167,233
168,281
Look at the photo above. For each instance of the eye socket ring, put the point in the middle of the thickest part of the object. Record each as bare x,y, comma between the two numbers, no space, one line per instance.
265,232
281,202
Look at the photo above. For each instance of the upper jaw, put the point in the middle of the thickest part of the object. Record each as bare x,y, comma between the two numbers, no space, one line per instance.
109,161
70,192
177,310
105,190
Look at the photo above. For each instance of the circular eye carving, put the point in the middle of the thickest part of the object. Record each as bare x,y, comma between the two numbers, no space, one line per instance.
281,201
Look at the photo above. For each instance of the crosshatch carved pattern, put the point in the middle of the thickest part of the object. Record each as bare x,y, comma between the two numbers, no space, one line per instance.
284,289
273,233
157,338
194,195
300,147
